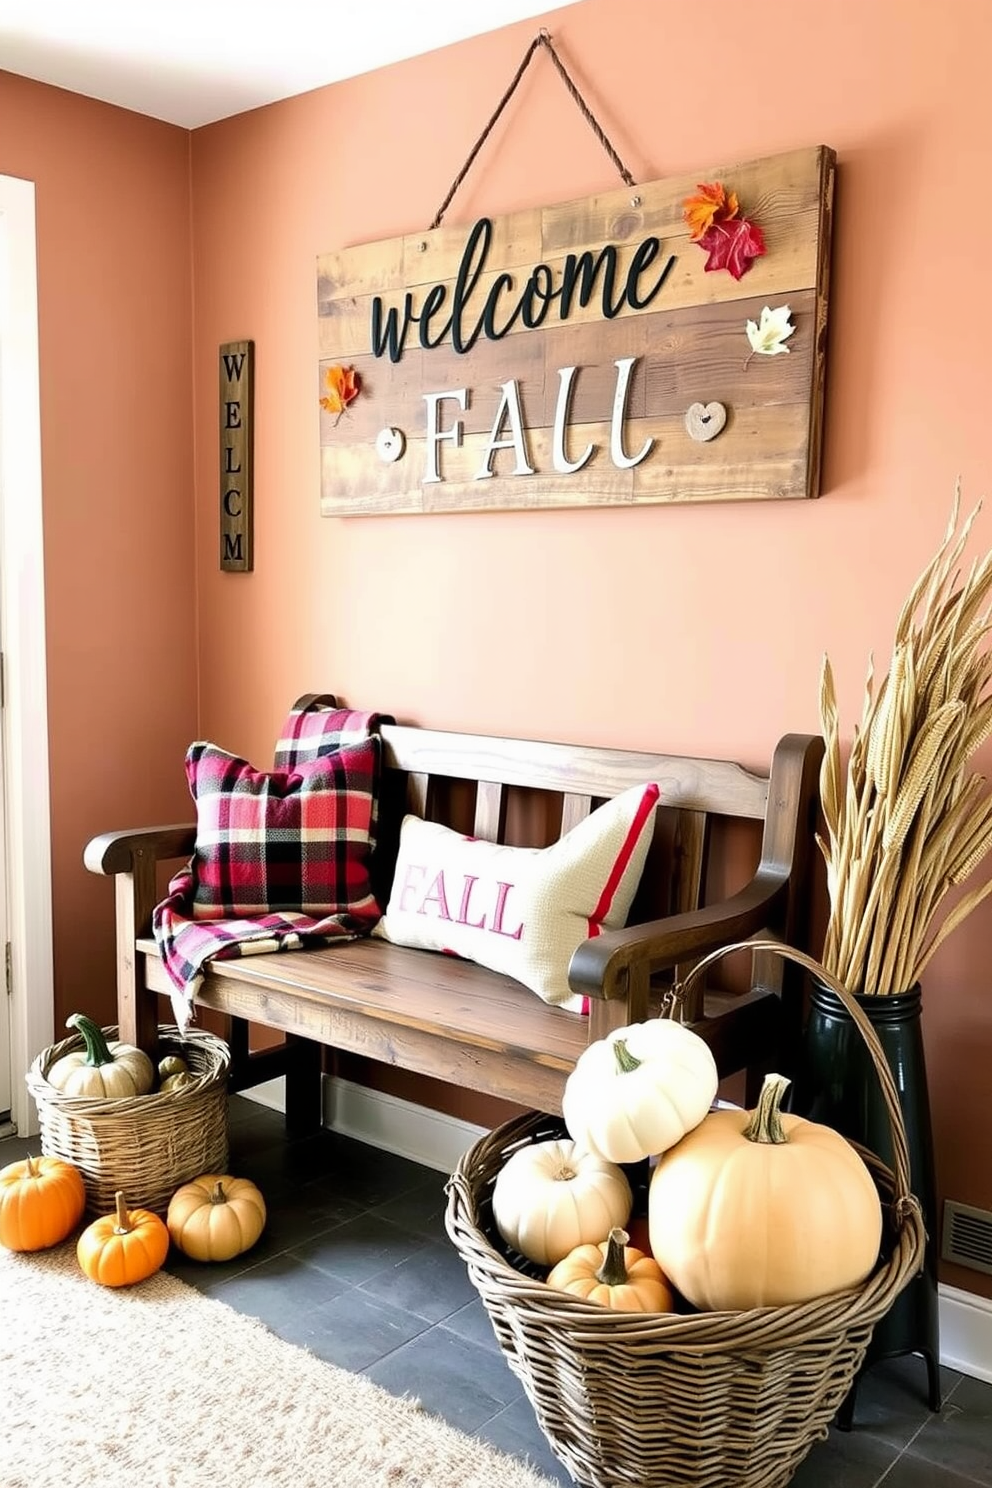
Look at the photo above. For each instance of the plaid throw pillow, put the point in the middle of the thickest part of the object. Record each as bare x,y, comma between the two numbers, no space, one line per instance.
521,910
284,840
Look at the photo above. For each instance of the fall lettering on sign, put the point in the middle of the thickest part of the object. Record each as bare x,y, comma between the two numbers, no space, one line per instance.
582,354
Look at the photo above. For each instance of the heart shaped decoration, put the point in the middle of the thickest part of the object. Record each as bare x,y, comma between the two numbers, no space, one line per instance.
390,444
704,421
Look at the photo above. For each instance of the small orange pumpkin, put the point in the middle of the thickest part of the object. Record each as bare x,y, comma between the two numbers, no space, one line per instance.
215,1217
122,1248
41,1200
614,1275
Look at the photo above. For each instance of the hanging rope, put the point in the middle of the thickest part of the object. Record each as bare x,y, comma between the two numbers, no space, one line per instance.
542,39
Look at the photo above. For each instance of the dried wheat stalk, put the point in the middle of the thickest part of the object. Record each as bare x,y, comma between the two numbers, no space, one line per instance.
909,819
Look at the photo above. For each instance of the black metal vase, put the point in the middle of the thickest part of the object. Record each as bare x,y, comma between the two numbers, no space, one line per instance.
836,1083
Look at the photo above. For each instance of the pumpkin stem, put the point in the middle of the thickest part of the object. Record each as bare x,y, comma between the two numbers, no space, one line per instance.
31,1166
218,1196
613,1271
123,1225
626,1062
765,1124
97,1049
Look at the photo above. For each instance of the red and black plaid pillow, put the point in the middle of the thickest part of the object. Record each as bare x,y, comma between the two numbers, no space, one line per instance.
289,841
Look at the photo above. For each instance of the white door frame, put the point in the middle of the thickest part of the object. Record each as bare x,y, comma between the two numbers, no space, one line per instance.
22,637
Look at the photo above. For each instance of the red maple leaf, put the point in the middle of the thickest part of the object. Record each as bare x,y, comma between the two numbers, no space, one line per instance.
732,245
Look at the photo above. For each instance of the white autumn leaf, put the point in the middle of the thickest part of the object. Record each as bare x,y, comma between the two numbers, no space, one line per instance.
768,337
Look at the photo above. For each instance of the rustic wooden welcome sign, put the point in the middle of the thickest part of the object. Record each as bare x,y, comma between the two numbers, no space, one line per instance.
582,354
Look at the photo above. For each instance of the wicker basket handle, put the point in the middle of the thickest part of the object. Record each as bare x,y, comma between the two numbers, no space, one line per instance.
900,1149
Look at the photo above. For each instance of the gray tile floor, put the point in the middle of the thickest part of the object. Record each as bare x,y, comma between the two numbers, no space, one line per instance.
355,1265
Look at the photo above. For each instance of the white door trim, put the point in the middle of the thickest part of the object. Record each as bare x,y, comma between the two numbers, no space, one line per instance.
22,633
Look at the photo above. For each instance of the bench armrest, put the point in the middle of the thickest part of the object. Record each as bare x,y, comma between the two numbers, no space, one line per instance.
133,858
116,852
605,966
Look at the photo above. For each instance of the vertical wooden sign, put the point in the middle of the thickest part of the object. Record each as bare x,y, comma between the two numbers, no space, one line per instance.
237,375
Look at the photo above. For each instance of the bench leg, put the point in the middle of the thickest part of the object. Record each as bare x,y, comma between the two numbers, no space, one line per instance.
607,1014
298,1059
304,1093
137,1009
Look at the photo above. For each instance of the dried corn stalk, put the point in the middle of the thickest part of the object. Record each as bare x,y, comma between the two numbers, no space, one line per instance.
910,818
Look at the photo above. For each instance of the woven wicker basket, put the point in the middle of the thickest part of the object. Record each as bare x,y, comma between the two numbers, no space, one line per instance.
145,1145
707,1400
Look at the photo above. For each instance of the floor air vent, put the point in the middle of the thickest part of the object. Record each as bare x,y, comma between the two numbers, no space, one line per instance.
967,1237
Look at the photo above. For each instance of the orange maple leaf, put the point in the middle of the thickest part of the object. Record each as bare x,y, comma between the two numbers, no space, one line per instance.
713,204
342,384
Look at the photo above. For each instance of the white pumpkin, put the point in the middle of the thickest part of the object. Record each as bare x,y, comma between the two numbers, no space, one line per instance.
552,1196
638,1091
101,1068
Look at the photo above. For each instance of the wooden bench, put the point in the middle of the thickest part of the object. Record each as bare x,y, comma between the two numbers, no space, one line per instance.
455,1020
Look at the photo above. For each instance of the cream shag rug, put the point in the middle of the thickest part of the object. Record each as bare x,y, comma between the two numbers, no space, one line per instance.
155,1384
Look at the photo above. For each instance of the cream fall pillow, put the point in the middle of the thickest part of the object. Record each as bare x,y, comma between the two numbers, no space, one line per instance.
520,910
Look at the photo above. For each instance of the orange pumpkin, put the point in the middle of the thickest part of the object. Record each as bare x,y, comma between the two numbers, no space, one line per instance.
763,1209
614,1275
216,1217
41,1200
122,1248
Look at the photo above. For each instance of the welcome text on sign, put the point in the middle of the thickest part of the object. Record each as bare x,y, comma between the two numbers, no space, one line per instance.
577,284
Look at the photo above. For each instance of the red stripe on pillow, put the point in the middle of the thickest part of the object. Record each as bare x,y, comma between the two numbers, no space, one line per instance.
647,804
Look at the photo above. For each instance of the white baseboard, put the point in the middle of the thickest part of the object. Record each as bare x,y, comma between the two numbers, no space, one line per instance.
271,1093
438,1141
966,1332
386,1121
401,1126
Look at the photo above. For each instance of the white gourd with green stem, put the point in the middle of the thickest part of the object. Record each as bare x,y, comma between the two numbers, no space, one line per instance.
101,1068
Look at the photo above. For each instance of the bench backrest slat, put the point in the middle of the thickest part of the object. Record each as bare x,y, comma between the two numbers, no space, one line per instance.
490,811
689,853
574,809
416,793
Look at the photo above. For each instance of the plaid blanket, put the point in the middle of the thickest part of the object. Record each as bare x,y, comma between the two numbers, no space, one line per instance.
187,941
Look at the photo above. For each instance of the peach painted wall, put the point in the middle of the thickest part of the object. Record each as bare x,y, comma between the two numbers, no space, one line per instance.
115,328
697,629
